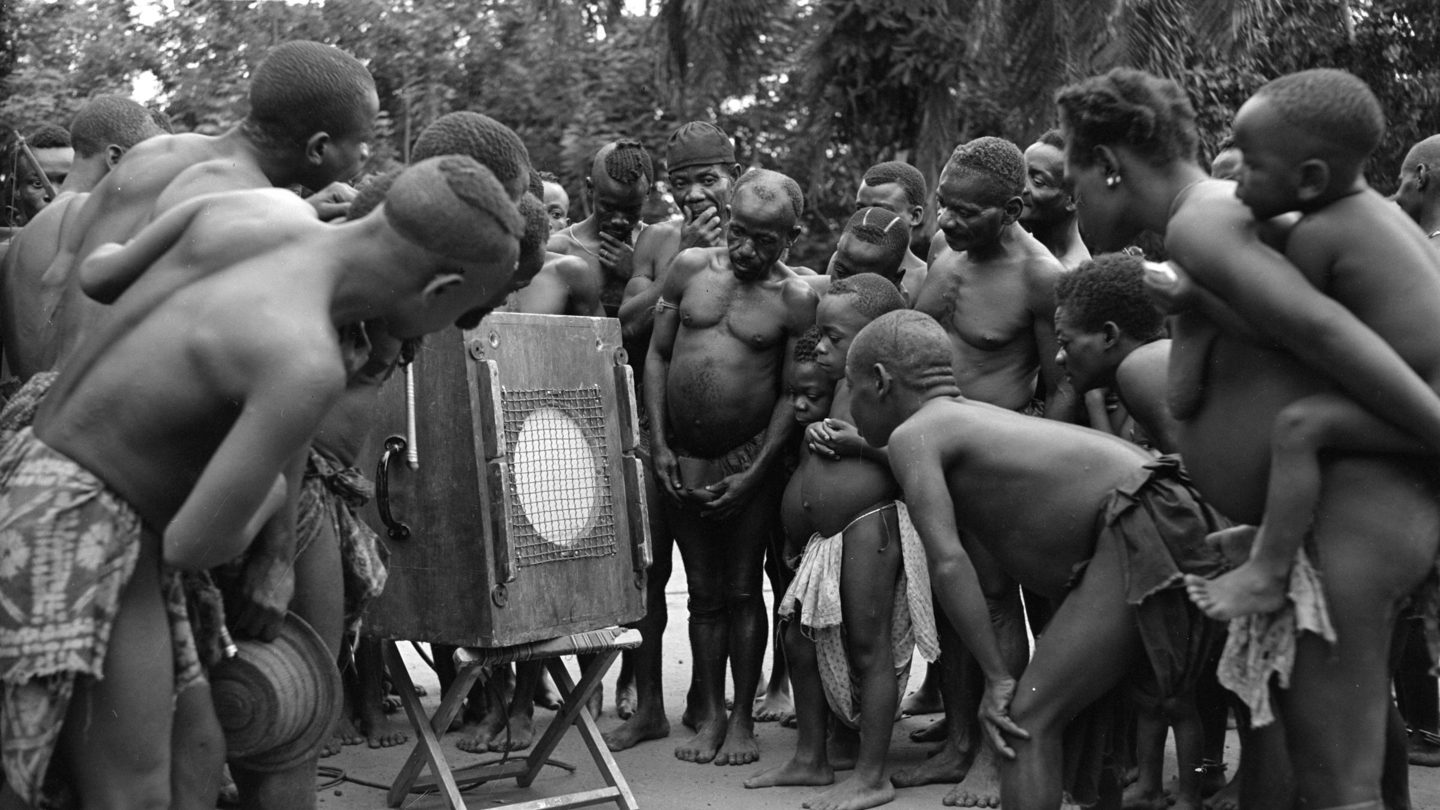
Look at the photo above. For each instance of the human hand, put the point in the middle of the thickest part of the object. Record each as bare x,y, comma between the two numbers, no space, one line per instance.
266,588
617,256
667,471
732,494
332,201
702,229
995,715
837,436
1169,287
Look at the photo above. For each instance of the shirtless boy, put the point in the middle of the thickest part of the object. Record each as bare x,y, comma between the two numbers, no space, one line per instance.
874,241
103,131
312,112
725,325
993,491
557,202
148,420
1050,210
1305,138
856,574
618,185
900,189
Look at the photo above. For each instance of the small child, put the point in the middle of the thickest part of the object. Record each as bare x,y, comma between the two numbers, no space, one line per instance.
861,589
1305,138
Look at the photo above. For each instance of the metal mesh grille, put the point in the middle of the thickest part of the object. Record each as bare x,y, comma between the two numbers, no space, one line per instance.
559,475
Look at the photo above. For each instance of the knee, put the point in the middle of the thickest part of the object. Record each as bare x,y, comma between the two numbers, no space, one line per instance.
706,608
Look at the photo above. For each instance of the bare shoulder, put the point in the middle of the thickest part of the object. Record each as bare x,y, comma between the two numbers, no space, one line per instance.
1209,220
210,177
561,241
570,268
654,237
799,295
1144,370
929,433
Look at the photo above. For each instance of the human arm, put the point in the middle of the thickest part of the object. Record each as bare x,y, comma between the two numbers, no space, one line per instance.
583,287
111,268
268,582
836,438
919,464
1062,404
735,490
1173,291
1141,382
285,395
1267,291
637,308
657,371
333,201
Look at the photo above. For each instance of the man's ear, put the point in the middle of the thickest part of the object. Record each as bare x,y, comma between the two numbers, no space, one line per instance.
880,378
1422,176
1012,208
734,171
315,147
441,283
795,232
113,154
1111,334
917,216
1314,179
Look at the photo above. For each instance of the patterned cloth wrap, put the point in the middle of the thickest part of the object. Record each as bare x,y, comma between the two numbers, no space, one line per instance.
1160,524
68,546
1263,645
815,591
331,494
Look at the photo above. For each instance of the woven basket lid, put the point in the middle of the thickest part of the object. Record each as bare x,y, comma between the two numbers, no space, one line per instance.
277,700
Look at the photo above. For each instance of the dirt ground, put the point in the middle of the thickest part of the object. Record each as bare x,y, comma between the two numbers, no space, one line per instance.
658,780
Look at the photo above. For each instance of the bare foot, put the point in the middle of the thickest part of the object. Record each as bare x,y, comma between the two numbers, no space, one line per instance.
520,734
948,766
1234,543
793,772
981,786
740,746
547,696
773,707
642,726
346,732
391,703
330,747
625,700
935,732
853,794
922,701
381,732
1249,589
1137,797
1423,754
475,738
597,702
706,742
1227,798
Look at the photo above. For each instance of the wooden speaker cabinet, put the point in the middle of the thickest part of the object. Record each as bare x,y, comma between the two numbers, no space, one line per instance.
524,516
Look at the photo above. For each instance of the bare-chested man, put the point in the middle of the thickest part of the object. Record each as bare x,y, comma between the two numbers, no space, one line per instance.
900,189
619,183
700,159
103,131
874,241
38,180
1419,192
992,492
1050,210
724,326
177,420
992,287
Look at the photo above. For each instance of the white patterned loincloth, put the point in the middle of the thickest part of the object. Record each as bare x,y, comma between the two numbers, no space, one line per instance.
1263,645
816,589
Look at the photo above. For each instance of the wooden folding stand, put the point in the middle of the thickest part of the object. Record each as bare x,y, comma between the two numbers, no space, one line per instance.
469,663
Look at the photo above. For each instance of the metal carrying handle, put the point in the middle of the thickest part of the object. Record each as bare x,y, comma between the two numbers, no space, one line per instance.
394,446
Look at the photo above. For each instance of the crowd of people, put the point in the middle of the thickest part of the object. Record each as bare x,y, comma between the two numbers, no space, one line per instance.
1201,482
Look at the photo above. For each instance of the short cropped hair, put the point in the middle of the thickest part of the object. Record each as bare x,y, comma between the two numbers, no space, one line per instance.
480,138
49,136
1052,137
1332,104
371,193
912,346
805,345
162,121
549,177
873,295
766,184
1426,151
452,206
906,176
878,226
626,162
532,241
302,88
110,119
1110,287
1131,108
996,158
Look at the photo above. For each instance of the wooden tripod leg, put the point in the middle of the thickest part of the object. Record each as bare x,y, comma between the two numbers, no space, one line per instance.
427,739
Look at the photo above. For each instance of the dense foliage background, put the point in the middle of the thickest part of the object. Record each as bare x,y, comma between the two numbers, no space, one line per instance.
819,89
